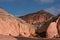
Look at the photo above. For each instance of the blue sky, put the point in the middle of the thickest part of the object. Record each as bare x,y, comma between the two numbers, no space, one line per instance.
23,7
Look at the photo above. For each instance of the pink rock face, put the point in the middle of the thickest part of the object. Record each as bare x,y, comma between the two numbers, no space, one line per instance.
14,28
11,25
52,30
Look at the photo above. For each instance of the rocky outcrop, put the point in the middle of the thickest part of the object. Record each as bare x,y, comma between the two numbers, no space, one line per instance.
13,26
54,28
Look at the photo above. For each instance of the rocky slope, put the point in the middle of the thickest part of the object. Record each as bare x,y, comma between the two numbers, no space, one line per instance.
38,17
13,26
46,24
40,20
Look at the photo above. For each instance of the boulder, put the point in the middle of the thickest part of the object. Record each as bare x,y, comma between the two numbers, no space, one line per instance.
52,30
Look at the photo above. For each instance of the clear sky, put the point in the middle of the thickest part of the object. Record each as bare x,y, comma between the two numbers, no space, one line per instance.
23,7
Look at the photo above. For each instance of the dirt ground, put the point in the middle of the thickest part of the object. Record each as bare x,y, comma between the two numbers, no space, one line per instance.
24,38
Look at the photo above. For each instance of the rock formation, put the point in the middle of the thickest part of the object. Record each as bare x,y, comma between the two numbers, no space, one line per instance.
27,30
8,24
11,25
38,17
40,20
54,28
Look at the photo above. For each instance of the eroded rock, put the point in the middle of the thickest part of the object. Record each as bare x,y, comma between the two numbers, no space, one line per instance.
54,28
27,30
13,26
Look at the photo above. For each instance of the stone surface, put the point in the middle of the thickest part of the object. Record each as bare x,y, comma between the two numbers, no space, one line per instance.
5,37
